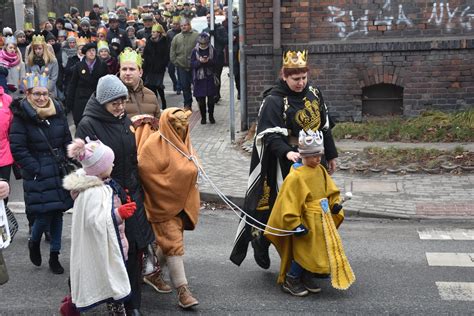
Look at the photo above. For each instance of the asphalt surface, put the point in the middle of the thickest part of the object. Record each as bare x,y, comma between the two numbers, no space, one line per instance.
387,256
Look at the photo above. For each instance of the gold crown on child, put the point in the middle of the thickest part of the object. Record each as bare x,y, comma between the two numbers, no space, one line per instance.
295,59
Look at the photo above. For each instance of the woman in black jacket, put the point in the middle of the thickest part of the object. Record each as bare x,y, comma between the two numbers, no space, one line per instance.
104,119
39,120
157,56
85,76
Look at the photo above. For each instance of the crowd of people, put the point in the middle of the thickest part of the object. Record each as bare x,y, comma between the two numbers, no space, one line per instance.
74,51
136,191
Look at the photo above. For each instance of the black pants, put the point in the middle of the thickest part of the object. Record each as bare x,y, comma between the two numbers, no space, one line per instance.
5,172
158,90
134,271
202,106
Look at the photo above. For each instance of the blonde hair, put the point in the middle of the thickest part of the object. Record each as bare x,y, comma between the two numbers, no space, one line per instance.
48,55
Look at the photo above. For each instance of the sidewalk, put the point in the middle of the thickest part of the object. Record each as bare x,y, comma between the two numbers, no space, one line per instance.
414,196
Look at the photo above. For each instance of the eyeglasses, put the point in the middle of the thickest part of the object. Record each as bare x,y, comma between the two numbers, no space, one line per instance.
118,103
38,94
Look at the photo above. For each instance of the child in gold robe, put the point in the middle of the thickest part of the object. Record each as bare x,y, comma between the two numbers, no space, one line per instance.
309,204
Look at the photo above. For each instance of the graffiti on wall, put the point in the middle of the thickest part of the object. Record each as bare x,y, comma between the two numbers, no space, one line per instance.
442,15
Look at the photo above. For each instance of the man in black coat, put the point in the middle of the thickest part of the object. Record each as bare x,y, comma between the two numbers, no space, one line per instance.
115,32
145,32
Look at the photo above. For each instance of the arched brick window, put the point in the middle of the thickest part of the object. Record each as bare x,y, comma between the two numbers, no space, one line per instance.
382,99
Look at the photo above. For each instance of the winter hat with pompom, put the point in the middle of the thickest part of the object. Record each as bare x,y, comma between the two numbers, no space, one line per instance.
94,156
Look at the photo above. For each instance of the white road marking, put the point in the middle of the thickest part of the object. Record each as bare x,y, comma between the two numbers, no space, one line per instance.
452,234
456,291
450,259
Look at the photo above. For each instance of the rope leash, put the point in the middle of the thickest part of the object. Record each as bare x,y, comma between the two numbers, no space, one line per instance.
202,175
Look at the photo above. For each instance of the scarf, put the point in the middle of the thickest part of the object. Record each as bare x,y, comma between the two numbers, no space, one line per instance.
45,112
37,60
9,60
203,72
70,51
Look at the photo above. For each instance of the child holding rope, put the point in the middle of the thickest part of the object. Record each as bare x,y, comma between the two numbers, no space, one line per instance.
309,204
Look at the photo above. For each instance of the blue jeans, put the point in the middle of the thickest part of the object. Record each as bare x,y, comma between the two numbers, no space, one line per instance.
186,79
53,220
172,73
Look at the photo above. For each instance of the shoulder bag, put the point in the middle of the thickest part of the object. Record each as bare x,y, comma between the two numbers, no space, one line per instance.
65,165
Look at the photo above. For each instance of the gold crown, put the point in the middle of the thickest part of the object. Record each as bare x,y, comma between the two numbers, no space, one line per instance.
38,40
295,59
81,41
129,55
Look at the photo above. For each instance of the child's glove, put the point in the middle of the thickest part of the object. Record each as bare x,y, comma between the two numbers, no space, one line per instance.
300,230
336,208
126,210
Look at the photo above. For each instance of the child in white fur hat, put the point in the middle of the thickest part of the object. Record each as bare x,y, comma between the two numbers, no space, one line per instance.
98,243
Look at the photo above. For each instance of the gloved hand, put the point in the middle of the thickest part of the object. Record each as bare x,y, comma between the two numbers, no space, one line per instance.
336,208
300,230
126,210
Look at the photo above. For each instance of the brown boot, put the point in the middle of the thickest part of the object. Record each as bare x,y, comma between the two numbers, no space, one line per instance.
156,281
185,297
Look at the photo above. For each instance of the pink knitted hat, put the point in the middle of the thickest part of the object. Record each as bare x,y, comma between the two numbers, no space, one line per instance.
94,156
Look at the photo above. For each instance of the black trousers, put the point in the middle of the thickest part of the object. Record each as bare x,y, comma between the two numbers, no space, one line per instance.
5,172
134,271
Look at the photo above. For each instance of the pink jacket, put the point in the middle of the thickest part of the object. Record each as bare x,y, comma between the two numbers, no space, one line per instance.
6,117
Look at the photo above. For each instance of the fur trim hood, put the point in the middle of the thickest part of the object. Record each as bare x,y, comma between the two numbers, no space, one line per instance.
79,181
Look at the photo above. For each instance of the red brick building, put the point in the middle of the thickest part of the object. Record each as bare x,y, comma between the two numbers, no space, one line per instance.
373,57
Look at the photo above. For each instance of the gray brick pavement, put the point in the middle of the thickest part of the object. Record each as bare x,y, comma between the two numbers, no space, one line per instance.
401,196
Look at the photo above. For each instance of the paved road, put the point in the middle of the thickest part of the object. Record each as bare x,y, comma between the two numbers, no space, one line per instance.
389,259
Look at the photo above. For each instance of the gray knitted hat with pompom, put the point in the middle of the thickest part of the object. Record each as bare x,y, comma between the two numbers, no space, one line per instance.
110,88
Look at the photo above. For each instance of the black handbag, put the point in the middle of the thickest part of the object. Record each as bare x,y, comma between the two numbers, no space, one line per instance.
65,165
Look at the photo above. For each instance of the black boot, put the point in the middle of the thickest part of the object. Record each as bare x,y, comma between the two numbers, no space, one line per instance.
202,109
54,264
211,110
260,251
161,92
35,252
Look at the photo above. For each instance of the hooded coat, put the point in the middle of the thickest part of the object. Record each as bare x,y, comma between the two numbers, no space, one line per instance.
98,123
169,178
97,264
42,182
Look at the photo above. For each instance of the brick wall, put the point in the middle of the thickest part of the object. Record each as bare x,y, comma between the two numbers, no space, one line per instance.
426,47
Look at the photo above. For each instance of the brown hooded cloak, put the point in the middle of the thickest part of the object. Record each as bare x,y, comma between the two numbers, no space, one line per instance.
168,177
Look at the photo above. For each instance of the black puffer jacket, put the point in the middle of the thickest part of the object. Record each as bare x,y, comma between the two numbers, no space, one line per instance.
115,132
42,183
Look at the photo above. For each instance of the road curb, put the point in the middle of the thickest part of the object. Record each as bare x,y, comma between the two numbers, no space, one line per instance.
239,201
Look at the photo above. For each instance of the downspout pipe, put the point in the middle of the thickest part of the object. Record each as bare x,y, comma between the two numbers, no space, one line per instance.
277,52
244,124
